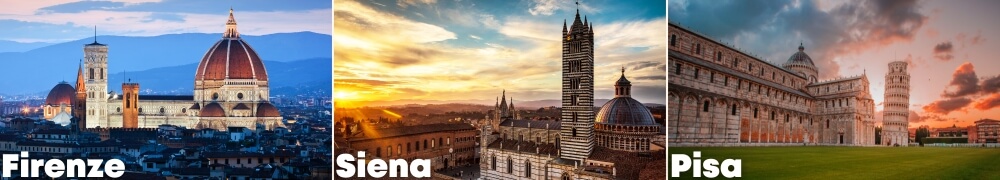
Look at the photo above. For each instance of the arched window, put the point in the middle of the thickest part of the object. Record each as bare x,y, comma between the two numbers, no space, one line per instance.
91,72
705,107
527,168
494,164
718,56
828,124
754,112
378,152
673,40
510,165
574,132
734,109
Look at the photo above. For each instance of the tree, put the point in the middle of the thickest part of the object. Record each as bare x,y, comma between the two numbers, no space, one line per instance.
922,132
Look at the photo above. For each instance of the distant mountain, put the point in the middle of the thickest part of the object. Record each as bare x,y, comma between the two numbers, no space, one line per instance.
41,68
12,46
287,76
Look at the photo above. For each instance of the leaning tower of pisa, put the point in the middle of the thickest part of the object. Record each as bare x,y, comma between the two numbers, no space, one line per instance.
896,109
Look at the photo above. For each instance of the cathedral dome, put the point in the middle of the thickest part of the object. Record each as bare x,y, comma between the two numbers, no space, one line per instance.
231,58
62,93
213,110
267,110
625,111
801,57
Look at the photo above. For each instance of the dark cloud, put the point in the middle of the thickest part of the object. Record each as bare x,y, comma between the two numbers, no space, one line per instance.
639,65
915,118
964,82
990,85
988,103
848,28
947,106
654,77
943,51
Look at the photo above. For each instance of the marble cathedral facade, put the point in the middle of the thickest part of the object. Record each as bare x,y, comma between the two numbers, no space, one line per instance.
719,95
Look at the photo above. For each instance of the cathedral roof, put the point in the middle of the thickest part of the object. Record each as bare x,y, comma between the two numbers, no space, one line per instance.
625,111
213,110
267,110
231,58
801,57
62,93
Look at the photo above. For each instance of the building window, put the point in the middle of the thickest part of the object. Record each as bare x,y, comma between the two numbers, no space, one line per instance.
749,67
673,40
718,56
494,164
575,66
725,81
698,49
425,144
399,149
711,77
574,83
736,62
527,168
573,100
734,109
510,165
574,132
704,106
754,112
696,73
677,69
828,124
378,152
407,148
91,73
772,115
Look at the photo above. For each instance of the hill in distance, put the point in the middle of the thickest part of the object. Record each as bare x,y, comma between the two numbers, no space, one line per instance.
43,67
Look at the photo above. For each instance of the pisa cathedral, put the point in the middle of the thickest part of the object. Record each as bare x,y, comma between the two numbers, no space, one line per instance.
230,90
719,95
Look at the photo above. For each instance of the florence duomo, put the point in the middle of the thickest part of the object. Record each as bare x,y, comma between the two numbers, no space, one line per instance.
230,90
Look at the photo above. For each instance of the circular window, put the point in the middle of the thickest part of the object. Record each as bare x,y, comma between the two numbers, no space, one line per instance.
162,110
140,110
184,110
239,96
215,96
119,109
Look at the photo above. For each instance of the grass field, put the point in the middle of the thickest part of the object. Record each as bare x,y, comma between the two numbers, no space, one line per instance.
856,162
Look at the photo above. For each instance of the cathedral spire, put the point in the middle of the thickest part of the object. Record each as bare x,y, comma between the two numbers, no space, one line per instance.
231,26
95,34
564,26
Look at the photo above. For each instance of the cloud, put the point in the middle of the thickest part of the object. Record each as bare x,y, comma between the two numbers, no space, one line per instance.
842,30
964,82
475,37
990,85
943,51
947,106
915,118
989,102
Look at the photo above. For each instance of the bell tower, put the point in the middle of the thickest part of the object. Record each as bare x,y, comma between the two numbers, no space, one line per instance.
130,105
95,57
577,116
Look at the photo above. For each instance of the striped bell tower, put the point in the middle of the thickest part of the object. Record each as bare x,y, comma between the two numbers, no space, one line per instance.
576,134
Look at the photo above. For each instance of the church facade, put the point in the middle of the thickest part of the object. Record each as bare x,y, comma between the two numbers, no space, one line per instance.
230,90
719,95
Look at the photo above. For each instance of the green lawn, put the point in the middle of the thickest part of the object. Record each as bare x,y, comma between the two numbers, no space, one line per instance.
855,162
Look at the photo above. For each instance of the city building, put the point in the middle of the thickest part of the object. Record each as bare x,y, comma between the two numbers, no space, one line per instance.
230,89
446,145
619,142
986,131
719,95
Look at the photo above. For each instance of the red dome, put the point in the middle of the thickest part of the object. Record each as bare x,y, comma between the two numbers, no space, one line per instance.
63,93
213,110
267,110
231,58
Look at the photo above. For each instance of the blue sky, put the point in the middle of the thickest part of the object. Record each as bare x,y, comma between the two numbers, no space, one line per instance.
472,50
63,20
